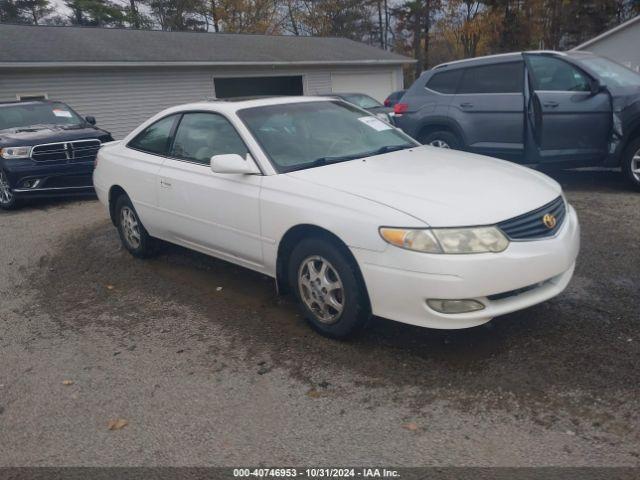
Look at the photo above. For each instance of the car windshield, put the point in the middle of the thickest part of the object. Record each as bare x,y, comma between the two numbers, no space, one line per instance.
610,73
361,100
311,134
21,115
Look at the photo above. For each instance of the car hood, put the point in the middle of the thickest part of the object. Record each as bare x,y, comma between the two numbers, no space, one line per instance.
442,188
49,134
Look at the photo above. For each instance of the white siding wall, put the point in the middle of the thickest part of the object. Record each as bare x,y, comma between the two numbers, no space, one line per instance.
122,98
622,46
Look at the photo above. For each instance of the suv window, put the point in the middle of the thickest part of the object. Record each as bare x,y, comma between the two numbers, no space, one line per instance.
445,82
497,78
203,135
155,138
555,75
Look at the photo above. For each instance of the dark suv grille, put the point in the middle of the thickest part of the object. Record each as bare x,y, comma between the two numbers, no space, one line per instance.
76,151
531,226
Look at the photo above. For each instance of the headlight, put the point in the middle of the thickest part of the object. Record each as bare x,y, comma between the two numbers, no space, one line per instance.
447,240
15,152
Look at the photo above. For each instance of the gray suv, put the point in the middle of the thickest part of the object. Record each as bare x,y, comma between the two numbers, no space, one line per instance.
547,108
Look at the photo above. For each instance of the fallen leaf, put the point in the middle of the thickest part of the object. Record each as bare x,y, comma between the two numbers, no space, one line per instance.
110,287
410,426
313,393
67,382
117,424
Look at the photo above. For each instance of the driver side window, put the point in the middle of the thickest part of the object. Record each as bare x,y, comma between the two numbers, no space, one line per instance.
202,135
555,75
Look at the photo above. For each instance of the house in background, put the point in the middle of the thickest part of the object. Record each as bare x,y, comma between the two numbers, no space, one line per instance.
621,44
124,76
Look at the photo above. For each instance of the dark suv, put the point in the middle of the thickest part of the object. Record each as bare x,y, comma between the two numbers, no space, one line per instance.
548,108
45,149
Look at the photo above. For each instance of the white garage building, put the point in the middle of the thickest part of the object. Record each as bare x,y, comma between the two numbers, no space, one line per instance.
123,76
621,44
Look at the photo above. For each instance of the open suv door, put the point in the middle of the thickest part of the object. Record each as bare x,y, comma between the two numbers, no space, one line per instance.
569,114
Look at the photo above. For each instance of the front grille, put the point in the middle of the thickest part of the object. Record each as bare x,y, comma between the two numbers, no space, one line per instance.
76,151
531,226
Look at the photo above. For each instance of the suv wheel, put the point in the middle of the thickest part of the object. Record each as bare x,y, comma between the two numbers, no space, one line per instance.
133,235
327,286
7,197
441,139
631,163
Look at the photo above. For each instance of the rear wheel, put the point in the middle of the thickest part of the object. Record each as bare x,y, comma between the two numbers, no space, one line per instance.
441,139
7,197
133,235
328,288
631,163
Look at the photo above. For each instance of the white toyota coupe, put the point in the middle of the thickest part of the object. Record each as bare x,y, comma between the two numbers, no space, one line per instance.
343,209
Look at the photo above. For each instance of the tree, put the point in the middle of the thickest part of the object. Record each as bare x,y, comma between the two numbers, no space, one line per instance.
96,13
416,17
35,10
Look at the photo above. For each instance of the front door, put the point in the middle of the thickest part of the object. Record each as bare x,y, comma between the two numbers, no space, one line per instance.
569,121
211,212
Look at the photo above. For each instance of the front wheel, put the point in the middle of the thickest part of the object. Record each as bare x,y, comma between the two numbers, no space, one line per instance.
631,163
133,235
328,288
7,197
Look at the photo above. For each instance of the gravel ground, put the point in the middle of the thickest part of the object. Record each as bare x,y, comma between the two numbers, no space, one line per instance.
209,367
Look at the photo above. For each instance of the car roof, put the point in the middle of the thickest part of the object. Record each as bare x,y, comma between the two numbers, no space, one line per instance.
235,104
10,103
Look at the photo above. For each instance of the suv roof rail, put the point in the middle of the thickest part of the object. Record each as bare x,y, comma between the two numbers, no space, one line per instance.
497,55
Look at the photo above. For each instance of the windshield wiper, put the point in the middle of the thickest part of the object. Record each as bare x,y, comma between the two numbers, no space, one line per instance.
322,161
32,128
389,149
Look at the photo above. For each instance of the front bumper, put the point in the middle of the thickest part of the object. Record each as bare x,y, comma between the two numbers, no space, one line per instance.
28,178
399,282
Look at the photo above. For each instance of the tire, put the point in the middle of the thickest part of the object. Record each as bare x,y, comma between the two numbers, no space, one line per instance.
441,139
8,199
318,303
631,163
133,235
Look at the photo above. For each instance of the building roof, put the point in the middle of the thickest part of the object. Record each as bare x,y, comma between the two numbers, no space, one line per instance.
35,46
608,33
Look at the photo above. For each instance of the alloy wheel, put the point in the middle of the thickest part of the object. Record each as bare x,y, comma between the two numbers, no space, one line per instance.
130,227
439,143
6,195
321,289
635,166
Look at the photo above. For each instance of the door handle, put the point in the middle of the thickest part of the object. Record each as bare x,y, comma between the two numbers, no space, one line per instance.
551,104
466,105
164,183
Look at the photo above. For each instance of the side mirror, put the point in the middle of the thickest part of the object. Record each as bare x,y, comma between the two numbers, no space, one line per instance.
232,163
90,120
597,87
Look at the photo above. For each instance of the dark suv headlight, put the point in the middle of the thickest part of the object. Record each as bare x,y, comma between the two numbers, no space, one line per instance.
9,153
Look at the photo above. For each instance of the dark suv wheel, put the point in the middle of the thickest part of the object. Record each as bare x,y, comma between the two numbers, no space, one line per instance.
631,163
7,197
441,139
328,288
133,235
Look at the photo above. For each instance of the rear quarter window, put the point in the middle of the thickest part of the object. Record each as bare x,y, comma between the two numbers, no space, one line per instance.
445,81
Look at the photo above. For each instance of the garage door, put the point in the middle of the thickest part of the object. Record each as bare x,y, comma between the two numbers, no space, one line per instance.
378,85
230,87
